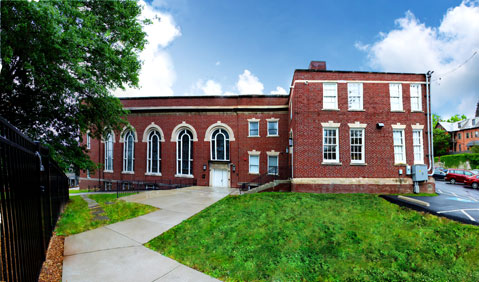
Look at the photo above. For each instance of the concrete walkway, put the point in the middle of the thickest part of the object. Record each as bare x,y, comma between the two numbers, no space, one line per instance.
115,252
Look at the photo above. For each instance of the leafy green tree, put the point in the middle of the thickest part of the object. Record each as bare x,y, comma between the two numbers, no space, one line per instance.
456,118
475,149
441,143
60,61
435,120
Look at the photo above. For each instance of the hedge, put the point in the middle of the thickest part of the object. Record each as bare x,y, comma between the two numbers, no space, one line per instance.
453,161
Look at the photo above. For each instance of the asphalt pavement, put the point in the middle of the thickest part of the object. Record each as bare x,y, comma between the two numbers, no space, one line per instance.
454,201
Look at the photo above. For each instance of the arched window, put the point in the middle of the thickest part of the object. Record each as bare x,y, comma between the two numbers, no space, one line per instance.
184,152
128,152
109,152
220,145
153,153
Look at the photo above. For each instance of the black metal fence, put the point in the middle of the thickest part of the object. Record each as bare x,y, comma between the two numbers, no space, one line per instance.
274,173
33,191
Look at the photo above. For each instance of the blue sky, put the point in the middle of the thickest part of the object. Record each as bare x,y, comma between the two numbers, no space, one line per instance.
252,47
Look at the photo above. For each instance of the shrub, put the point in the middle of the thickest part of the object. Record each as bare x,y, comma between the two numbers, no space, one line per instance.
453,161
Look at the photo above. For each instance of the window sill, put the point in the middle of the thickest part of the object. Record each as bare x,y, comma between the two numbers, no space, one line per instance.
153,174
253,136
253,173
272,135
356,110
273,174
417,111
398,111
332,163
400,164
127,172
332,110
358,164
108,171
184,175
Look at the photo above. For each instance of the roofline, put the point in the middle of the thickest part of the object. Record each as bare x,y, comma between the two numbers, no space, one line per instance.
343,71
208,96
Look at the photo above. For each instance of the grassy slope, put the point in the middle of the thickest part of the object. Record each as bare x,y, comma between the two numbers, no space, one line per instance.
77,217
325,237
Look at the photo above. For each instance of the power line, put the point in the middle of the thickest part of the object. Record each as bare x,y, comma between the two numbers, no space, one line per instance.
456,68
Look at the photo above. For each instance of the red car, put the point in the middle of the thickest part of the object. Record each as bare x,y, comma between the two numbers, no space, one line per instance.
472,181
457,175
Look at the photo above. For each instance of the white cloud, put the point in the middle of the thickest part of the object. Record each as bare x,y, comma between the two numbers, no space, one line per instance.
217,63
279,90
415,47
209,87
157,74
249,83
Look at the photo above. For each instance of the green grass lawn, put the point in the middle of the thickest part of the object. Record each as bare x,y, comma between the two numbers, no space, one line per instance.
76,191
322,237
77,217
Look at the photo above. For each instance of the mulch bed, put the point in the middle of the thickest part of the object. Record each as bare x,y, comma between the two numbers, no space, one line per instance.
53,266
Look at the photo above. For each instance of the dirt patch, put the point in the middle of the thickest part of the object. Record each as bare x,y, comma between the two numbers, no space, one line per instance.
53,266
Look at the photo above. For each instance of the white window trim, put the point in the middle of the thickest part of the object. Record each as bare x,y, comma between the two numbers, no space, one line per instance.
363,146
226,140
190,169
249,162
421,140
249,130
335,161
361,100
217,125
398,126
112,152
88,174
267,127
336,96
412,86
150,159
401,108
125,157
357,125
151,128
88,140
277,167
403,147
417,126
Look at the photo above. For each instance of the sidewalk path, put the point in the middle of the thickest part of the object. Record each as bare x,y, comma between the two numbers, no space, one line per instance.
115,252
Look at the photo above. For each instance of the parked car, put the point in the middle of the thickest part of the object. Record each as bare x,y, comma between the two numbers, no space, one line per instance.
439,174
475,171
457,175
472,181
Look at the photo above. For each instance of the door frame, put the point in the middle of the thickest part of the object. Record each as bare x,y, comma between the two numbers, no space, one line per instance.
220,166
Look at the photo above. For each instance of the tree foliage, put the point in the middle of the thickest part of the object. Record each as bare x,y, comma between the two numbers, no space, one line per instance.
456,118
60,62
441,143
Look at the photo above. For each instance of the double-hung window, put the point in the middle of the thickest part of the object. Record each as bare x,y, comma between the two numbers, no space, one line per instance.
416,102
88,141
272,128
355,96
253,128
395,92
357,145
254,164
330,96
330,145
273,164
418,146
399,146
128,152
109,153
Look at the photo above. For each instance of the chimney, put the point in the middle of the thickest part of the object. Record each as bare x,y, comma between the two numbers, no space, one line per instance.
317,65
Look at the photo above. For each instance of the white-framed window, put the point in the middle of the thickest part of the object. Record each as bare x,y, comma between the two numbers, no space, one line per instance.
254,164
273,166
273,128
128,152
220,145
108,186
357,145
109,152
88,141
355,96
184,153
153,156
330,96
418,146
253,128
399,146
416,101
395,92
87,173
330,144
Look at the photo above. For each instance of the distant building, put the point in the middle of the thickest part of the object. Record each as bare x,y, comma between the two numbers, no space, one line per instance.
464,134
336,132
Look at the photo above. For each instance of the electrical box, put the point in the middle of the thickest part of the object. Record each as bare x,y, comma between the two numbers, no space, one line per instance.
408,170
419,173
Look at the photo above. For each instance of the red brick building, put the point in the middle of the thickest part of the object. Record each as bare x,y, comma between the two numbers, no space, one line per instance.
336,131
464,134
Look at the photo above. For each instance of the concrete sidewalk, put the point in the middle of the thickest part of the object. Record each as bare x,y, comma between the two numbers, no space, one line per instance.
115,252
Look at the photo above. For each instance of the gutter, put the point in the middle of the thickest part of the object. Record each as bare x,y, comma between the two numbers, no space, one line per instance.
430,137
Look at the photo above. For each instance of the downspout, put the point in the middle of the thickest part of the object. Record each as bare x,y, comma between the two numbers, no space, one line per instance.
291,124
430,139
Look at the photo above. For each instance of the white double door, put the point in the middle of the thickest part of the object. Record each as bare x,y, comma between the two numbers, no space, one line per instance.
219,178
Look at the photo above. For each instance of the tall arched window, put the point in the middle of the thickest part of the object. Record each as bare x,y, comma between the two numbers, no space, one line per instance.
154,153
220,145
109,152
184,152
128,152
